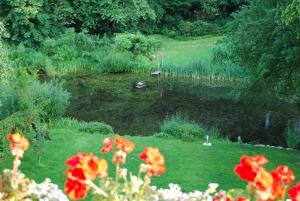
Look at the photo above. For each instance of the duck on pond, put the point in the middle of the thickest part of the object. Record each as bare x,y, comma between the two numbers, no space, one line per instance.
140,85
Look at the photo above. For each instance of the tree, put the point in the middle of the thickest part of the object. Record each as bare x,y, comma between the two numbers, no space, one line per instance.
261,42
30,21
108,16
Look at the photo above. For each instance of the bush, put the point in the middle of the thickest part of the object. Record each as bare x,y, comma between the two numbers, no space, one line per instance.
48,100
88,127
5,68
168,32
138,44
73,51
292,136
180,127
95,127
197,28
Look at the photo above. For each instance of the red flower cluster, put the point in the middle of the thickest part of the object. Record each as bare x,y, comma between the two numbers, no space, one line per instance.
83,168
294,192
119,142
125,147
18,145
154,160
272,185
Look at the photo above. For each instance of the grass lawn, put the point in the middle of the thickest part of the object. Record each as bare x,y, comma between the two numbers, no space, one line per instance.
189,164
188,50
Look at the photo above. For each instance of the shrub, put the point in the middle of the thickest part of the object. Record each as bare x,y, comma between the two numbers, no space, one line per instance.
73,51
5,68
168,32
192,28
201,27
292,136
138,44
65,123
95,127
88,127
49,99
180,127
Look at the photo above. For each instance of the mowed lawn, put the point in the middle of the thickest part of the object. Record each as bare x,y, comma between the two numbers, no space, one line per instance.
188,50
189,164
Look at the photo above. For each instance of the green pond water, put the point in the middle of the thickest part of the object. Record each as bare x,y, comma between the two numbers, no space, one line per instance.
115,100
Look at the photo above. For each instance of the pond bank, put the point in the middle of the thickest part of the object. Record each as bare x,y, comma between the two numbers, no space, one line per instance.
114,99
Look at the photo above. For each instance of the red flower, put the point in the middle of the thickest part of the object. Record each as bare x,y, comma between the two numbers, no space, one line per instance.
294,192
282,177
18,145
263,180
90,165
76,189
241,198
93,166
154,160
249,167
124,144
82,168
285,174
74,161
18,141
107,145
76,173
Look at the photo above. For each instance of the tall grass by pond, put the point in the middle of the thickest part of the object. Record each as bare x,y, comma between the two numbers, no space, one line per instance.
207,70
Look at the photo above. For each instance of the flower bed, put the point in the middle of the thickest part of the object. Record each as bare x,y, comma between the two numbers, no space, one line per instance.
87,173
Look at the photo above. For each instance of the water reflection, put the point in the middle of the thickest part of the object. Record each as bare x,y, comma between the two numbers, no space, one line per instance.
115,100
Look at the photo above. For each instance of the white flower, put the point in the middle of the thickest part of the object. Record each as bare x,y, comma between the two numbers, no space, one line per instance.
212,188
174,193
46,191
135,183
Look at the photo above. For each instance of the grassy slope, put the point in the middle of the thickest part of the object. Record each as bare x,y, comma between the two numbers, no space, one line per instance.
191,165
188,50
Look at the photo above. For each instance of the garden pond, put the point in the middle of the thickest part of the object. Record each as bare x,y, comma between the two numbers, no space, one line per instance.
115,100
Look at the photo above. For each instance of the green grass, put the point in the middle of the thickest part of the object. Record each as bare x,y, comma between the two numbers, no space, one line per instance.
189,50
192,57
189,164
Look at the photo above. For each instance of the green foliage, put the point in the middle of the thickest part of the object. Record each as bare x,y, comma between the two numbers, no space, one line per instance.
39,135
292,137
265,46
79,51
5,68
95,127
138,44
47,100
31,21
112,16
87,127
291,15
200,69
180,127
197,28
18,121
118,62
